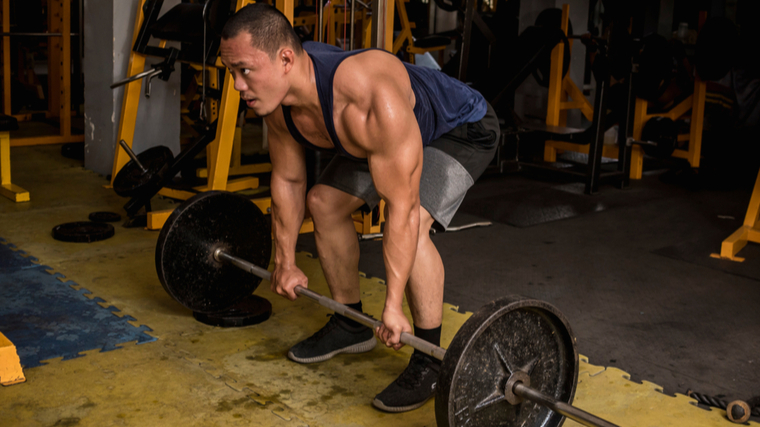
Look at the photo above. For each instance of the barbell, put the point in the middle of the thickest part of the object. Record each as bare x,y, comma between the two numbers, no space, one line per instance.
512,363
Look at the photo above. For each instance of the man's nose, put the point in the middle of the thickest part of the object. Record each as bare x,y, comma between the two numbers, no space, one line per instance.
240,85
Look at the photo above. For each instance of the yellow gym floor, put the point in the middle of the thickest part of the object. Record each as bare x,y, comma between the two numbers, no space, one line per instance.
197,375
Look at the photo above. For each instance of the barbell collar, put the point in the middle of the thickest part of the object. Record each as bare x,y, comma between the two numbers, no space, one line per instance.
569,411
406,338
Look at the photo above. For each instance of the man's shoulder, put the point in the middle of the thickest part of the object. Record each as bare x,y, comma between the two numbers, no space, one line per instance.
314,47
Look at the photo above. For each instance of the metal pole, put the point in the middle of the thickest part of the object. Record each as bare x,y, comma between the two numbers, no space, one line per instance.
570,411
353,24
321,19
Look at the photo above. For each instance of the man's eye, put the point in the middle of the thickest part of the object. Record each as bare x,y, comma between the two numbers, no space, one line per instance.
245,71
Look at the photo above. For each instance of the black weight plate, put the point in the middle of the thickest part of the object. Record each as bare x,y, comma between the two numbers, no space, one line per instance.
664,132
185,251
507,334
105,217
131,180
82,231
250,310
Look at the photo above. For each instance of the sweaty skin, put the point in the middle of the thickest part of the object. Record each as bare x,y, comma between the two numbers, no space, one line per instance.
374,119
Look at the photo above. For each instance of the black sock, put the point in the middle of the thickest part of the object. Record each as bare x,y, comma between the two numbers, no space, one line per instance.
432,336
349,322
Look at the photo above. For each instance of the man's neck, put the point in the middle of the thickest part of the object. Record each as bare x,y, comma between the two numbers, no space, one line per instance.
303,93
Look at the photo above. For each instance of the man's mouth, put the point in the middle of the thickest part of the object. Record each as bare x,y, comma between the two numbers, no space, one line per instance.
250,102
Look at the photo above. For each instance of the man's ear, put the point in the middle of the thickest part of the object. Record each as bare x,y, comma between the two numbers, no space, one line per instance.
287,58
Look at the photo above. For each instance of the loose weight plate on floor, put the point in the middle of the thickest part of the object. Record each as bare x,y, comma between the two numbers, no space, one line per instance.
82,231
131,180
185,252
509,334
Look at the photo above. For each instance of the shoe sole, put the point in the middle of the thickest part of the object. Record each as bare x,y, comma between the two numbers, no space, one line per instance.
379,405
361,347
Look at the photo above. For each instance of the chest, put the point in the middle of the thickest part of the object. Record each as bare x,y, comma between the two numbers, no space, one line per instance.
312,126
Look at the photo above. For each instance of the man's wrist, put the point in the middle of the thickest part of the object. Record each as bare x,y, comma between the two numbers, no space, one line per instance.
392,303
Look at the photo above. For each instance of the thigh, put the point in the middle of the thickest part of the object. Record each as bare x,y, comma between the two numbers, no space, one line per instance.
351,177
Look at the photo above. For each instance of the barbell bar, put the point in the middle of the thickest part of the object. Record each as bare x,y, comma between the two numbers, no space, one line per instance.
512,363
517,381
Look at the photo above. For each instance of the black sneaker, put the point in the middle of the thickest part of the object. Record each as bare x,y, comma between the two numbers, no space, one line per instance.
334,338
412,388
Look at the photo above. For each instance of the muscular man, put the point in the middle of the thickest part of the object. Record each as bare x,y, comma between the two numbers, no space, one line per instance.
410,136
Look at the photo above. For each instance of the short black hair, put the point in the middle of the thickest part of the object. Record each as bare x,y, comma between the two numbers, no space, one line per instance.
268,27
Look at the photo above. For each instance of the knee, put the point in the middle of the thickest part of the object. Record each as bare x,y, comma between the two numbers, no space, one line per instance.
322,202
316,201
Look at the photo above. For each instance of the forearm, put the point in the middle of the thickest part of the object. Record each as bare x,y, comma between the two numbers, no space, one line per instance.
288,207
399,249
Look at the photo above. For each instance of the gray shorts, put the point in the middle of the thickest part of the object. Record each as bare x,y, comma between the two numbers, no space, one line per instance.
451,164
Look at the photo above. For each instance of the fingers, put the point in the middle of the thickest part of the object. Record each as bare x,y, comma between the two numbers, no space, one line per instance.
285,284
389,337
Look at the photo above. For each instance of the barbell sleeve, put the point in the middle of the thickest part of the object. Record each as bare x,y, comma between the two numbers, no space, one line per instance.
562,408
139,76
406,338
132,155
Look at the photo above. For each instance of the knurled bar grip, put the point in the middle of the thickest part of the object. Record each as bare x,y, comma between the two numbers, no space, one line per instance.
520,389
406,338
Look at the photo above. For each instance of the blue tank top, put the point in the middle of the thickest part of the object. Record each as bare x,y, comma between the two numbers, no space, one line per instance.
442,102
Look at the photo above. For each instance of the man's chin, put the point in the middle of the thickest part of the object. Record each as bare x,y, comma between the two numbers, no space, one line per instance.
260,111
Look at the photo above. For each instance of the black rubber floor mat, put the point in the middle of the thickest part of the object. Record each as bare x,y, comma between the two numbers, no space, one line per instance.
536,206
698,252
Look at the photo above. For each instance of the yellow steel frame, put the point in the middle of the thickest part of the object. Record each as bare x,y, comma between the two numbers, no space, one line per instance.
749,232
694,103
10,364
405,34
219,151
381,35
7,189
562,88
59,75
219,166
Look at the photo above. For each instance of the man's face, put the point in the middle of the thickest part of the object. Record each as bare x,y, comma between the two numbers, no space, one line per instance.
260,81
